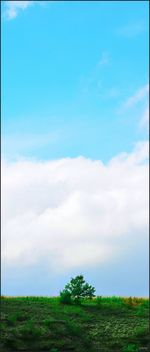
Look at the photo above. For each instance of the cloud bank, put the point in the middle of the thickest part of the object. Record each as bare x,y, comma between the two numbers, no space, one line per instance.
75,212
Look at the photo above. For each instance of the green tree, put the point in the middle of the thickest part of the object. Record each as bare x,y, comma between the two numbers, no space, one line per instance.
77,288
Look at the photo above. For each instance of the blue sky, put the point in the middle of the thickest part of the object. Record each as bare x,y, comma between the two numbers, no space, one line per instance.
74,91
61,64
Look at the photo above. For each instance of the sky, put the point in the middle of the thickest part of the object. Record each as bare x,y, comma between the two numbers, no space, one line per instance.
75,146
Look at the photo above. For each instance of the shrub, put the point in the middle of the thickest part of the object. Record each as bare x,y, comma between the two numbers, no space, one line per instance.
65,297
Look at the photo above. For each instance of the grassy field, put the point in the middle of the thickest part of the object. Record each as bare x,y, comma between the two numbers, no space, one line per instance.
103,324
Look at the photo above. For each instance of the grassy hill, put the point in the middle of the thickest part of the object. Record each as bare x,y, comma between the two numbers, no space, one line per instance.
103,324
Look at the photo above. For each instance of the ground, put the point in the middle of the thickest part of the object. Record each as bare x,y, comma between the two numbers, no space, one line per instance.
103,324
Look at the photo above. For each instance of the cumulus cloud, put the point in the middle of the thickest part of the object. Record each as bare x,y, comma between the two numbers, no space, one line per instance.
74,212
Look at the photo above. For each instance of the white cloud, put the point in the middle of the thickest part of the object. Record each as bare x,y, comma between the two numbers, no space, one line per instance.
145,117
132,29
14,145
92,82
13,7
74,212
104,60
141,94
139,99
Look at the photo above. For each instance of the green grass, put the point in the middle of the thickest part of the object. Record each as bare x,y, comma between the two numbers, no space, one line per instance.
103,324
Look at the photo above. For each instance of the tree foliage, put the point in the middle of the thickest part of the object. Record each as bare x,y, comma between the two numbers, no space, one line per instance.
77,288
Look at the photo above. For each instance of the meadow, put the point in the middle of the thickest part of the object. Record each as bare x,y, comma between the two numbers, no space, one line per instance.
102,324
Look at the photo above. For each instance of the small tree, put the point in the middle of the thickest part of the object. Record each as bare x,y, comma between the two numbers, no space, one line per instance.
77,288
